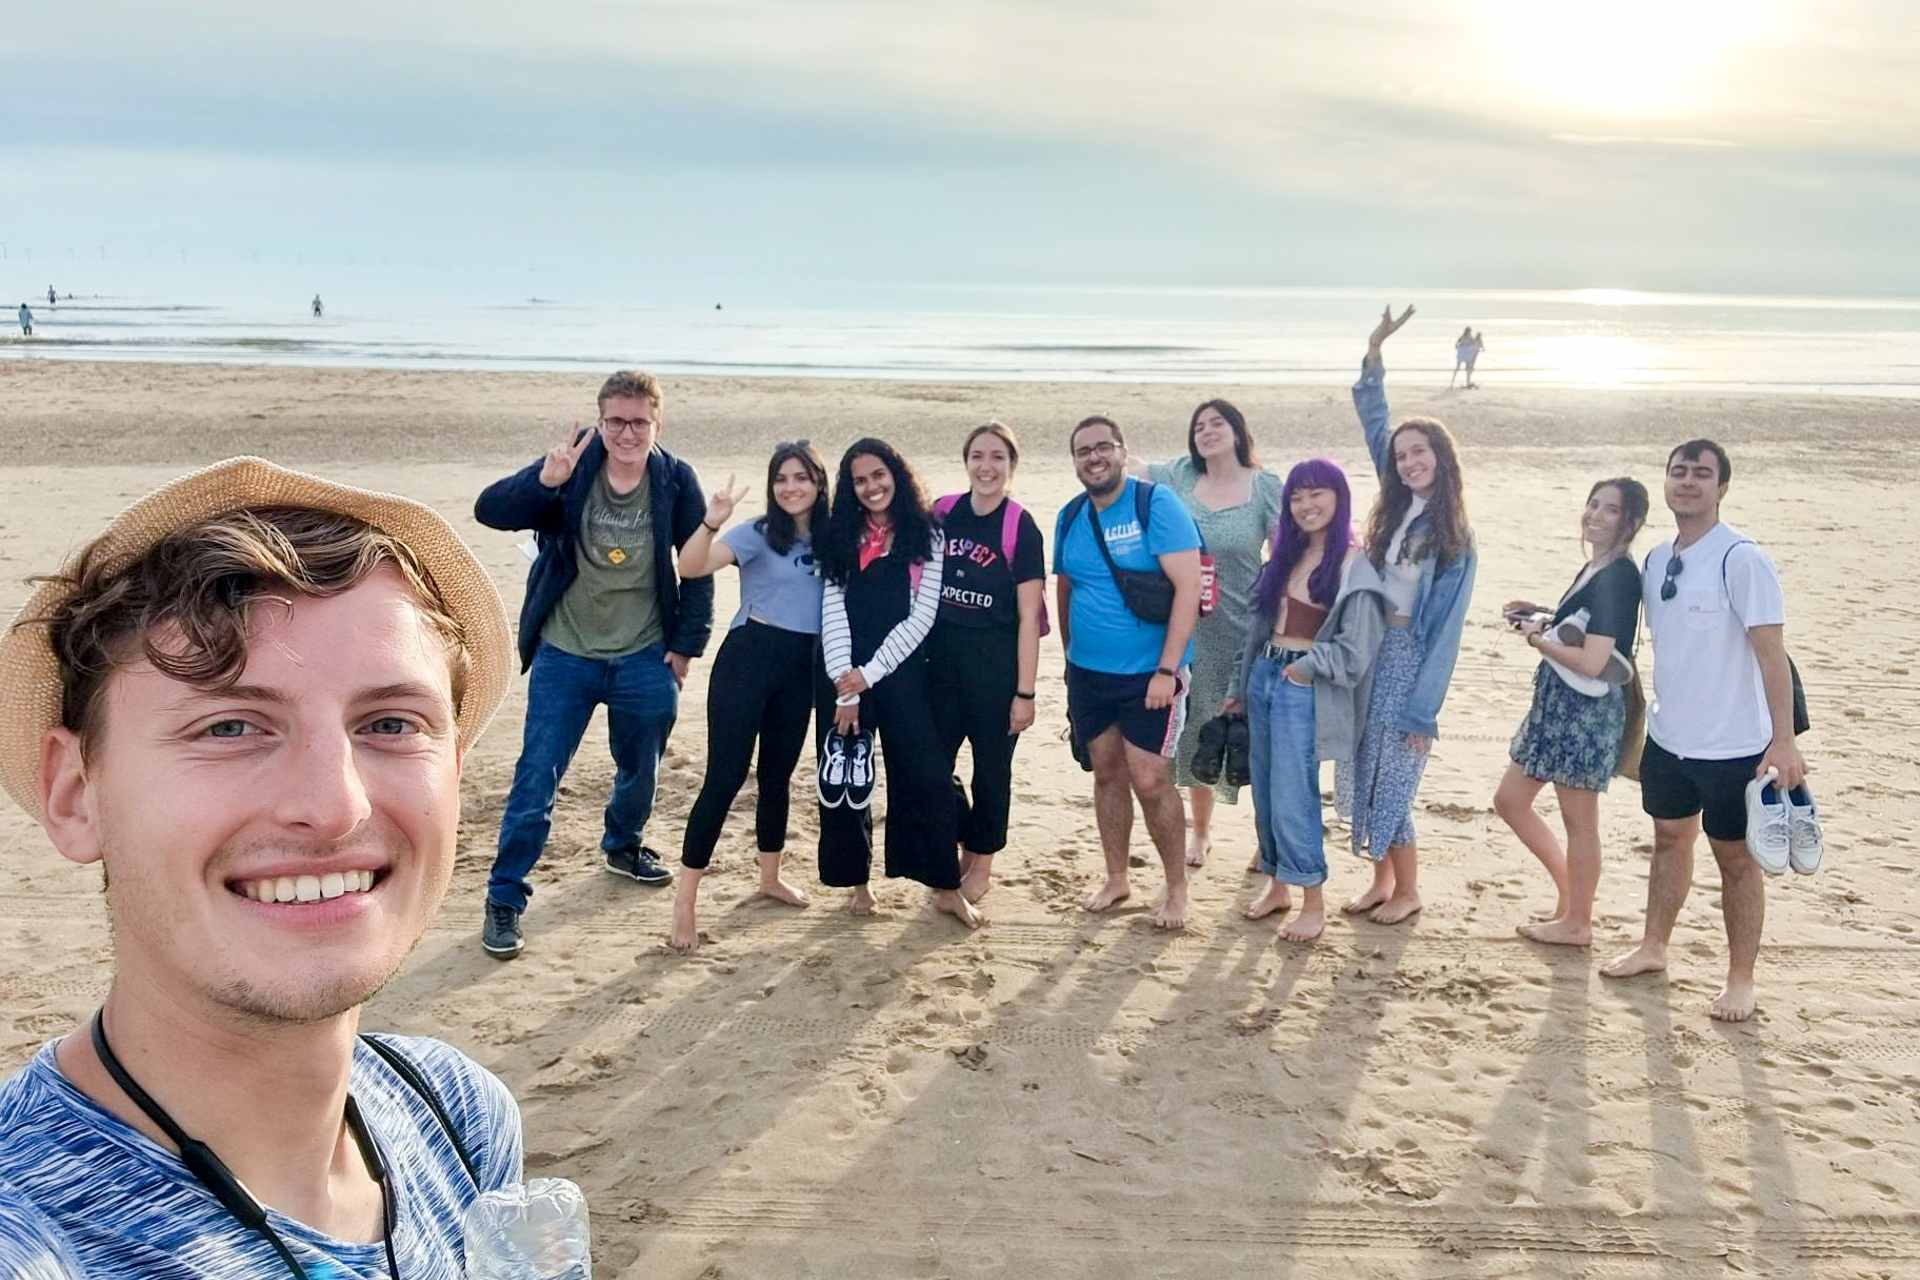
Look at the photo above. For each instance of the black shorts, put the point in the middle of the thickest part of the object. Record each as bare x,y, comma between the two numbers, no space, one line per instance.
1677,787
1098,700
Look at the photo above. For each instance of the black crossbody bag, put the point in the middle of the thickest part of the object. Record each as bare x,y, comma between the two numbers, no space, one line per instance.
1148,593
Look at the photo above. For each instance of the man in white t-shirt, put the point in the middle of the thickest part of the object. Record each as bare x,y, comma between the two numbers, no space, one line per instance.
1722,714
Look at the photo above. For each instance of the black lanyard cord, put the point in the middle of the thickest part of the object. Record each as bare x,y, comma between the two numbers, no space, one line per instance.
214,1175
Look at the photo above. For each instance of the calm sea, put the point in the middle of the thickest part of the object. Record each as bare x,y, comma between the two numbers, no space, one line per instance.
1585,338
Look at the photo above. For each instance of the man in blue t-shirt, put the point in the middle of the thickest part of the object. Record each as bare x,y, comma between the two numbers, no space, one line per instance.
1126,675
249,701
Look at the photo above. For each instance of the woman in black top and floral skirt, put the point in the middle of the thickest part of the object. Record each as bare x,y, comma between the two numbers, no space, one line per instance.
882,558
1571,736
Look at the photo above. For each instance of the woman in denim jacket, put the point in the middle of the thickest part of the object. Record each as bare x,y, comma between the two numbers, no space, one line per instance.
1419,540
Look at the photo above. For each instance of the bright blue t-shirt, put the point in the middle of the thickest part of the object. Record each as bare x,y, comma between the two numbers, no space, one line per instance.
1105,635
83,1196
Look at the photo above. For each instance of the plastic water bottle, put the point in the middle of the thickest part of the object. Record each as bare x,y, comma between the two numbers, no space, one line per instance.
535,1231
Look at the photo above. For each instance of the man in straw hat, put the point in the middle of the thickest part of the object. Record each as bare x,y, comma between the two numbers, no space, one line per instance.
249,701
606,621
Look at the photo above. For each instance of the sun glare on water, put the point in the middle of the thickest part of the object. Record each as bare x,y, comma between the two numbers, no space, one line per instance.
1592,360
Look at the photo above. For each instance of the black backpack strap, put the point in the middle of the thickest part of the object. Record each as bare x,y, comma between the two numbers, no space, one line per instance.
1743,542
417,1081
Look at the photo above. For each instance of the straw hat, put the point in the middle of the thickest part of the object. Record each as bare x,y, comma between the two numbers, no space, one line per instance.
30,672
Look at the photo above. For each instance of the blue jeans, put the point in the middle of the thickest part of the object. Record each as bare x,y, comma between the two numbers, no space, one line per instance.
1286,776
641,700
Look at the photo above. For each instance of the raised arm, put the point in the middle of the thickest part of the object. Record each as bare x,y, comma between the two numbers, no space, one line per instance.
705,550
1370,392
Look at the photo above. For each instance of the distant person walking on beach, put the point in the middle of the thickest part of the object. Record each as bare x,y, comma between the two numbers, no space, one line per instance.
1722,716
1234,503
606,621
1128,605
26,320
318,308
1478,345
1462,354
762,685
1572,734
1420,543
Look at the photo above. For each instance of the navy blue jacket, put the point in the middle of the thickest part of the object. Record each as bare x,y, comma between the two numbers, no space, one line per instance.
521,502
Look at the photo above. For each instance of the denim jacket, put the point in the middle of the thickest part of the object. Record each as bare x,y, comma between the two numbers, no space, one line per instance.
1440,601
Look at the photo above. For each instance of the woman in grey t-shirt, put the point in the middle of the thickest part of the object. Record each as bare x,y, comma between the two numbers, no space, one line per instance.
761,688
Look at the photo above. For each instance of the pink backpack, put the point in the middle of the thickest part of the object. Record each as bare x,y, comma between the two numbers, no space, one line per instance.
1009,539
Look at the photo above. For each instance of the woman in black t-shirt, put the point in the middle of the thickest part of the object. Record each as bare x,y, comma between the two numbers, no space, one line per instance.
1571,735
985,646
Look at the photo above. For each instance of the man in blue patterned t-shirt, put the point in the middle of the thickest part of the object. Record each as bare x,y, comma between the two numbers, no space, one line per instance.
249,701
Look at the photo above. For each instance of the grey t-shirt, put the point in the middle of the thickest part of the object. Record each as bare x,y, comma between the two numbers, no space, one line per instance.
613,607
780,590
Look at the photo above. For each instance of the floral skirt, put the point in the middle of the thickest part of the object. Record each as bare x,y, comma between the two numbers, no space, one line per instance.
1568,738
1375,791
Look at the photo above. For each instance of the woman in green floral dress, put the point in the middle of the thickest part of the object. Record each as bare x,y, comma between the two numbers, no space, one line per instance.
1235,502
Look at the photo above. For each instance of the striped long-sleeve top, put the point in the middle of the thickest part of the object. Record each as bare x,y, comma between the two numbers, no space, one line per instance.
836,636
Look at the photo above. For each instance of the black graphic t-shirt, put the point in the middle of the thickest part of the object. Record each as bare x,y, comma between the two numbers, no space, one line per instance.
978,590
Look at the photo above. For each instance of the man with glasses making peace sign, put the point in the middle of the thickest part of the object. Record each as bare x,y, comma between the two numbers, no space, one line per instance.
1722,714
606,621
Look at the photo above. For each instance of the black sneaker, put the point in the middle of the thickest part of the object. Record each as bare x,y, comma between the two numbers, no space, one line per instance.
500,935
641,864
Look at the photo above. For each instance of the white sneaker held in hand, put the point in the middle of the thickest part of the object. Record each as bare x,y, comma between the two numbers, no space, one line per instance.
1805,847
1768,834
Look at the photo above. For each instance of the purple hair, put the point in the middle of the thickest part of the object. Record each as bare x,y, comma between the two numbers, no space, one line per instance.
1290,541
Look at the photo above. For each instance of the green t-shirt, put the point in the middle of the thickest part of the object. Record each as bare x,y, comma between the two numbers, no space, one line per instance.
613,607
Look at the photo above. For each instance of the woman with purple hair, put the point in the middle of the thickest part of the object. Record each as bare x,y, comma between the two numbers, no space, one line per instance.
1319,614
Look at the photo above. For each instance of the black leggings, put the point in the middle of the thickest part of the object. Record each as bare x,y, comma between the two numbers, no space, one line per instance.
972,676
761,687
920,806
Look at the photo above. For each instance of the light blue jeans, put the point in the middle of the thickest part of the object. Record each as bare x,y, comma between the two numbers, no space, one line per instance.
1286,776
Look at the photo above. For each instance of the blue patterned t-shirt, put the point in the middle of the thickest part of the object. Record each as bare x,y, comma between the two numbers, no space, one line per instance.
83,1196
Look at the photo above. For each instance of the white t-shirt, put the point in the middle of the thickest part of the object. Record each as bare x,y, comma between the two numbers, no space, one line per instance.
1709,701
1402,580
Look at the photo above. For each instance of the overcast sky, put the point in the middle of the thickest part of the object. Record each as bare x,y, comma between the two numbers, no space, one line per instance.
1760,146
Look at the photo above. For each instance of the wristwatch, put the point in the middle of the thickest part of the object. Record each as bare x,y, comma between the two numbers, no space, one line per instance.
1162,671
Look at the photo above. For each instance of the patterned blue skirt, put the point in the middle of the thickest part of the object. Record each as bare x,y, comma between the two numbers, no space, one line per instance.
1375,791
1568,738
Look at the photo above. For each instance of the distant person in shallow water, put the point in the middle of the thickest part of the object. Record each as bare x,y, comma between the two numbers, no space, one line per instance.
1462,354
26,320
1474,349
319,309
52,297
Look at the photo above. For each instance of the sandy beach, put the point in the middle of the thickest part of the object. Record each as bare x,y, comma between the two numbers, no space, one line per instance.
1066,1095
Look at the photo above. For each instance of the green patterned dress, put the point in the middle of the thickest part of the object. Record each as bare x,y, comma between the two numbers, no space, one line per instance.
1237,539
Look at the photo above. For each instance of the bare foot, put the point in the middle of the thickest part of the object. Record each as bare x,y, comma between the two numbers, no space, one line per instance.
1645,958
1198,846
1380,891
1307,927
1276,898
1734,1003
978,879
1557,933
1395,910
955,904
861,904
780,891
1113,892
685,937
1253,868
1172,911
